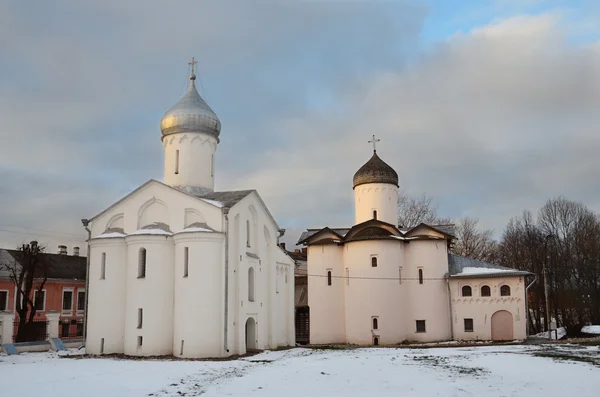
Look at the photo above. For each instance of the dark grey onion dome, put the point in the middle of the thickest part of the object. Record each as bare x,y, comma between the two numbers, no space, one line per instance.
375,171
191,114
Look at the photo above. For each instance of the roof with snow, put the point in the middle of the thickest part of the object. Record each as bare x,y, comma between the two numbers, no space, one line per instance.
227,199
461,267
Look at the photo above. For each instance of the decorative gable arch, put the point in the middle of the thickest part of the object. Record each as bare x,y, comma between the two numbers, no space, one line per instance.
117,221
192,216
153,211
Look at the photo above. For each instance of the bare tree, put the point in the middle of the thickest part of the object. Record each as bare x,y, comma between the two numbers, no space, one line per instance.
413,211
28,274
473,242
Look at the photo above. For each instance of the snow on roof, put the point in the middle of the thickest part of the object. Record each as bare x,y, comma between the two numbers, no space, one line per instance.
196,229
151,231
214,202
591,329
110,235
483,270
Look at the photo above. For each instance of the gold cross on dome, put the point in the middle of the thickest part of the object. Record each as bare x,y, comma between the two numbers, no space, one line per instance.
193,63
374,142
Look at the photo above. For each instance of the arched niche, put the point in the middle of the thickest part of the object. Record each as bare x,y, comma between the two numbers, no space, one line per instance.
153,211
117,221
193,216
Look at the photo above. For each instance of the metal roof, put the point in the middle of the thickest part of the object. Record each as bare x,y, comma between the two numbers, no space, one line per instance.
375,171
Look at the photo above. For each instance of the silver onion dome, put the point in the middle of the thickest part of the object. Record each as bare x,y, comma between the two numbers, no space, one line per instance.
375,171
191,114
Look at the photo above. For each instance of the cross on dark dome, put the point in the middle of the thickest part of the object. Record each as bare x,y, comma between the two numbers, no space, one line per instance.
374,142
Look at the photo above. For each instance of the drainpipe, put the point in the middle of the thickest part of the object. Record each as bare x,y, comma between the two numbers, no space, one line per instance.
450,307
527,304
225,327
85,223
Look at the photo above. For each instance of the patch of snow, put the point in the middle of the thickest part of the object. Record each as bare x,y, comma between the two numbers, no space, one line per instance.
591,329
215,203
483,270
490,371
556,334
110,235
150,231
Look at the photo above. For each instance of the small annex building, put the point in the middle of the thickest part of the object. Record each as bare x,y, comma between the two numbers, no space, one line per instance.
378,284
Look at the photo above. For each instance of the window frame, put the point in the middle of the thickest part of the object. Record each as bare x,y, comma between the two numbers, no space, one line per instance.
142,262
502,289
43,309
176,161
140,318
62,300
251,277
375,214
375,323
466,288
421,276
186,262
488,289
466,328
79,291
417,323
374,261
103,266
7,297
329,277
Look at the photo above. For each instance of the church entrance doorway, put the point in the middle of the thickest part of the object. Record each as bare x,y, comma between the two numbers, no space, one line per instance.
250,334
502,325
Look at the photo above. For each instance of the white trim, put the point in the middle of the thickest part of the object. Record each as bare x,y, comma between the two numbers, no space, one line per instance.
62,300
34,300
7,298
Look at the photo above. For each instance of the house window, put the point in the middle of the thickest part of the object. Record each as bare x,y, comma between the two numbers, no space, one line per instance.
140,318
186,258
67,300
421,326
140,340
420,276
142,263
468,325
176,162
486,291
3,300
328,277
80,300
39,299
373,261
505,290
376,341
103,267
466,291
247,233
375,323
251,284
101,345
374,214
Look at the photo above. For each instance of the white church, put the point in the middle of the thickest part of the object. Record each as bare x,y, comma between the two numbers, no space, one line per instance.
177,268
377,283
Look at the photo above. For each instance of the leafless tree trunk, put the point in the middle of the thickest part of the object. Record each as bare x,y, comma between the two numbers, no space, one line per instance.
24,271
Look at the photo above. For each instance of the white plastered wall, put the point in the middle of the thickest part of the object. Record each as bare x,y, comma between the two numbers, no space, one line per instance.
481,309
380,197
196,160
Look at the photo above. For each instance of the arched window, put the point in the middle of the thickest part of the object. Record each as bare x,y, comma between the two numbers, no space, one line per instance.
251,284
373,261
247,233
466,291
176,161
374,214
329,277
375,323
505,290
376,341
103,267
486,291
142,263
420,276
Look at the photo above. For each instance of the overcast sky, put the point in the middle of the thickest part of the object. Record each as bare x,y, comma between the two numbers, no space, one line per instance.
491,107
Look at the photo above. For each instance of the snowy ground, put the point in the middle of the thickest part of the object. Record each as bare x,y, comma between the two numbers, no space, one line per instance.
540,370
